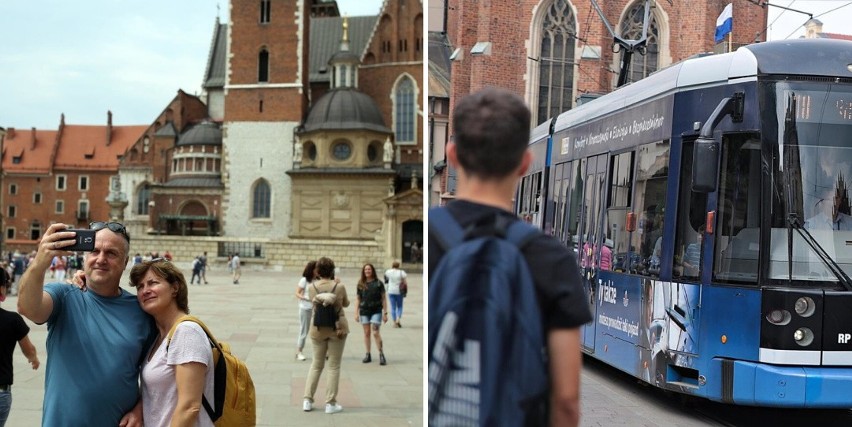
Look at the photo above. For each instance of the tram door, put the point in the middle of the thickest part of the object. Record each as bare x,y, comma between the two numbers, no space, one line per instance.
594,184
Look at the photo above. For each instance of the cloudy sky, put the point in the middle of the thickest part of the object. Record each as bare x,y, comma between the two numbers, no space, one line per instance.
787,24
83,58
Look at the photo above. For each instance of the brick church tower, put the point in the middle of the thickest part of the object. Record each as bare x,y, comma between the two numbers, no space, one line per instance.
265,99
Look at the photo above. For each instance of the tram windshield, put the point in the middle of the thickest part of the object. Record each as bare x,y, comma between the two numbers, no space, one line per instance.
811,196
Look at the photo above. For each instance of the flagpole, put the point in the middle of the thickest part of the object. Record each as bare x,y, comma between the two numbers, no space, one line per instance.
729,41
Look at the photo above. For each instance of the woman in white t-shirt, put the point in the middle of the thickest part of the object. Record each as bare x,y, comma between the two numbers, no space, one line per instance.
393,278
305,307
176,374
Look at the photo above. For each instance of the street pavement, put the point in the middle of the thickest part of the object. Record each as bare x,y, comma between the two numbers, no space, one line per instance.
260,319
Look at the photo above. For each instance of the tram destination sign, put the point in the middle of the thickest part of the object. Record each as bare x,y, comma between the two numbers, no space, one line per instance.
637,125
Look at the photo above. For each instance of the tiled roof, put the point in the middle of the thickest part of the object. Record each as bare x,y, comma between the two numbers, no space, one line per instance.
214,76
836,36
80,147
325,41
85,147
17,144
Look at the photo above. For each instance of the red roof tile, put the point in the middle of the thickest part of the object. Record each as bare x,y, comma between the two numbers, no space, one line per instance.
837,36
35,160
85,147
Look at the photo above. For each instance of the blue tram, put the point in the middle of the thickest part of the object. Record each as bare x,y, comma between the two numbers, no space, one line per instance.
709,208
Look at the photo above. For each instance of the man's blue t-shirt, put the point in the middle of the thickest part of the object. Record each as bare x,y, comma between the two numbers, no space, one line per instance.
94,347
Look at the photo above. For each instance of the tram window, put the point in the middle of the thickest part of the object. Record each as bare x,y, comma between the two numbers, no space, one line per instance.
573,197
652,172
524,196
737,230
690,220
592,227
620,189
556,203
529,198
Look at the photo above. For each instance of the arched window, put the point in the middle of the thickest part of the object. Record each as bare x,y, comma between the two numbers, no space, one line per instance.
261,200
556,61
631,29
263,66
405,111
143,196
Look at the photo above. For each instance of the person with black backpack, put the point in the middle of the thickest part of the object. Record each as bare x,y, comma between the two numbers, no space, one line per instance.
505,300
329,329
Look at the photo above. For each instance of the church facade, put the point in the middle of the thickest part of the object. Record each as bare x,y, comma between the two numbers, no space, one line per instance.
269,170
557,54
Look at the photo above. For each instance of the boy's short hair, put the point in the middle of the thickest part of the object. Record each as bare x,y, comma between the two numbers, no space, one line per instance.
491,131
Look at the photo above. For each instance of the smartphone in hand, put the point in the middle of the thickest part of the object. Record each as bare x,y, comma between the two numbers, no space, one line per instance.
85,240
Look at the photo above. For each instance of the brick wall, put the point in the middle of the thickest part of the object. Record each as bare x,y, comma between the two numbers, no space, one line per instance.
687,28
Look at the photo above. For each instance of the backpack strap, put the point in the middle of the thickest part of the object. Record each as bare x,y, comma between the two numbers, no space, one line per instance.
214,415
448,233
444,228
521,234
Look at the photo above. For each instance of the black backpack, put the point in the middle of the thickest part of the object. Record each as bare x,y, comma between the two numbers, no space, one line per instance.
325,315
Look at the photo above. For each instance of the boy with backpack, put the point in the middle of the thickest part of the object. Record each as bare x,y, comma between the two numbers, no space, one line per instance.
505,300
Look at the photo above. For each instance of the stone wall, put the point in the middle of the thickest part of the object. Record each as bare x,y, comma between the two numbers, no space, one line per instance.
278,255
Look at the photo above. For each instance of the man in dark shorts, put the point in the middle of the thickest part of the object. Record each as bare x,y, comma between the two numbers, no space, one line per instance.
489,151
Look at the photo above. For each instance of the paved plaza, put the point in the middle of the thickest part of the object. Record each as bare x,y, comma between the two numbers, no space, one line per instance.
260,319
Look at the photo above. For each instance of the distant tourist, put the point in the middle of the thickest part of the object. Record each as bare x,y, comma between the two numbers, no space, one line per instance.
371,310
305,306
328,341
237,268
394,278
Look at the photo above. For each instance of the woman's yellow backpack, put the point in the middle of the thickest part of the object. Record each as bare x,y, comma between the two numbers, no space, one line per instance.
233,390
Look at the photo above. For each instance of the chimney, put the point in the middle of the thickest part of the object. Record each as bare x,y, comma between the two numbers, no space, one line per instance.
33,139
10,133
109,128
61,129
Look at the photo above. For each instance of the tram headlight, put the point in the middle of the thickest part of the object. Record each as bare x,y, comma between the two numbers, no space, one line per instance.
779,317
803,336
805,306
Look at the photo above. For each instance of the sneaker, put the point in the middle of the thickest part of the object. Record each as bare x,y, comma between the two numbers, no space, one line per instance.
300,356
368,358
382,360
307,405
332,408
